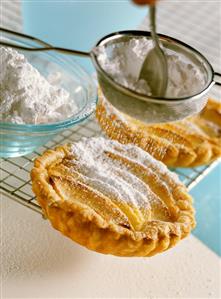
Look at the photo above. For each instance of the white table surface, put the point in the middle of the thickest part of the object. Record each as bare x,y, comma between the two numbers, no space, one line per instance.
38,262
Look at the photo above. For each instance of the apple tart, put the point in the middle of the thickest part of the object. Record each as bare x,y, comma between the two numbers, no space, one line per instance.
191,142
112,198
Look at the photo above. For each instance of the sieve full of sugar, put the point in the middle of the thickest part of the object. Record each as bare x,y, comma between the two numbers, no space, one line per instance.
118,59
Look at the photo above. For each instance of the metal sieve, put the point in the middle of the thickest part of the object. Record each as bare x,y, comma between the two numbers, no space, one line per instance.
146,108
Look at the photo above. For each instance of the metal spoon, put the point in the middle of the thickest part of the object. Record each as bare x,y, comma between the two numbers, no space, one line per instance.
154,69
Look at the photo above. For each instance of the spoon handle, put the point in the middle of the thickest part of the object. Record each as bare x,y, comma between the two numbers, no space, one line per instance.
153,25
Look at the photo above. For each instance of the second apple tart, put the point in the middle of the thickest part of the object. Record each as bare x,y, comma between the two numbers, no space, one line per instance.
191,142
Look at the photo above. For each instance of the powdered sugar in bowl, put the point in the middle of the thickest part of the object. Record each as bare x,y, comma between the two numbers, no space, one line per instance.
22,130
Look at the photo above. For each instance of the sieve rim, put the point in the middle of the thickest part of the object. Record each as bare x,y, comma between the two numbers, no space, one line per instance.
144,97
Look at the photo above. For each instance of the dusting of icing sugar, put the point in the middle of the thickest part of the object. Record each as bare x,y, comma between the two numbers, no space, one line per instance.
140,156
113,178
26,97
108,176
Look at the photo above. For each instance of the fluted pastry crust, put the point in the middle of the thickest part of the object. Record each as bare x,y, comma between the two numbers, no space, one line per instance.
192,142
118,201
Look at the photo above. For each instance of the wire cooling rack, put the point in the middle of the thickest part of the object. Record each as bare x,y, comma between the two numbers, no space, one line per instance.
15,172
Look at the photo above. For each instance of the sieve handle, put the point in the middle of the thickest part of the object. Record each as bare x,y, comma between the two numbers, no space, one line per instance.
45,46
48,48
215,80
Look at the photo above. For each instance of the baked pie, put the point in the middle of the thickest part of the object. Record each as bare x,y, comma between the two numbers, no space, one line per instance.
188,143
112,198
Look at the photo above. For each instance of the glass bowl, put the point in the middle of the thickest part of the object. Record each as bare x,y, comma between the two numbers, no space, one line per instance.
21,139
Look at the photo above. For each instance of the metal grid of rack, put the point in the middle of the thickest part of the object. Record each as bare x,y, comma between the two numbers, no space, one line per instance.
15,172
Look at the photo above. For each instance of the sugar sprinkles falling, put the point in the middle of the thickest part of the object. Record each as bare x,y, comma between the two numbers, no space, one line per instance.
26,97
123,62
111,177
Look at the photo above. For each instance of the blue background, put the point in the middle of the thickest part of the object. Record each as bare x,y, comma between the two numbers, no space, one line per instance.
207,202
79,25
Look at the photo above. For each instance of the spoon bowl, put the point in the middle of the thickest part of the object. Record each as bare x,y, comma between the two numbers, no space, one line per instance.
154,71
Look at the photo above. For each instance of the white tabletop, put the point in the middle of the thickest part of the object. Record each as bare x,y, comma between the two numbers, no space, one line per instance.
40,263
